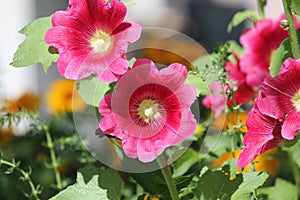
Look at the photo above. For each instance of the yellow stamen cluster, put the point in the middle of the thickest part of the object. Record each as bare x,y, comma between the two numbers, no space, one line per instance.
148,110
296,100
101,42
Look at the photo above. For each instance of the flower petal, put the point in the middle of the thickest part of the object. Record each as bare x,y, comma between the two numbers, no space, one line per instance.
291,125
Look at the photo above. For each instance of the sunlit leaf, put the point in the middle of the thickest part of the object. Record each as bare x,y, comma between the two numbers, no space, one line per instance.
34,49
251,181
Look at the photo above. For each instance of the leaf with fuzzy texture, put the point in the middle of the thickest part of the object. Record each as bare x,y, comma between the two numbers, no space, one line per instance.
83,190
34,48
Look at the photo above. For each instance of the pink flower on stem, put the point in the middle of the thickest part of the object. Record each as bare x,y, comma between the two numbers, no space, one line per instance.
264,133
276,113
92,38
218,99
281,98
260,43
149,109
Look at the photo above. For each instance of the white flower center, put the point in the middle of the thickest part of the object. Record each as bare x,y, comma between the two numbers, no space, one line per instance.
148,110
296,100
101,42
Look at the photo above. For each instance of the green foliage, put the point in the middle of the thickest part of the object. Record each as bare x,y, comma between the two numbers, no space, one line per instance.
152,182
194,79
280,55
34,49
296,7
92,90
294,151
216,185
251,181
282,190
239,17
110,180
185,162
84,188
283,52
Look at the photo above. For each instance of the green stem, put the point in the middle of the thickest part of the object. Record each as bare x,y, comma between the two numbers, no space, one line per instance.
261,4
34,190
54,162
166,171
292,30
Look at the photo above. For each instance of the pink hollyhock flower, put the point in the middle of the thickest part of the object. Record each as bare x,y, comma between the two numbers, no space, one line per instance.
92,38
264,133
149,109
217,99
281,98
244,93
260,42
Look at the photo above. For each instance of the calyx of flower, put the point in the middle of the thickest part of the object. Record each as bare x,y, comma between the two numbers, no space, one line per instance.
148,110
296,100
101,42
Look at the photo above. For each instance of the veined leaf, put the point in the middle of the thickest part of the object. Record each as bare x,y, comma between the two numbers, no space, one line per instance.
34,49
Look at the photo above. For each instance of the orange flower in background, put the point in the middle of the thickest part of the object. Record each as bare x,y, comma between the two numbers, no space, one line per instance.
26,102
63,97
221,123
265,162
6,135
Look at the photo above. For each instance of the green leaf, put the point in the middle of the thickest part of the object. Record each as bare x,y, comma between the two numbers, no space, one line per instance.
296,7
82,190
185,162
152,182
34,49
239,17
279,56
183,181
92,90
195,79
235,47
251,181
216,185
283,52
294,151
281,190
110,180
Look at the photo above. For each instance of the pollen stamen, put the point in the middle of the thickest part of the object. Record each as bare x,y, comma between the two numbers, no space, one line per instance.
148,110
101,42
296,100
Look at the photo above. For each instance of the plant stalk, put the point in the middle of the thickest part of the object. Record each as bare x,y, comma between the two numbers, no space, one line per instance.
261,4
166,171
292,31
53,157
25,175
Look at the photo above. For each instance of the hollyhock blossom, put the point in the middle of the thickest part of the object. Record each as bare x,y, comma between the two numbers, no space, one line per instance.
281,98
264,133
243,94
92,38
260,42
149,109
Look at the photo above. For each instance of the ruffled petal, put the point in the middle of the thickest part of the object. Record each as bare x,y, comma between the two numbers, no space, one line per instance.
291,125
